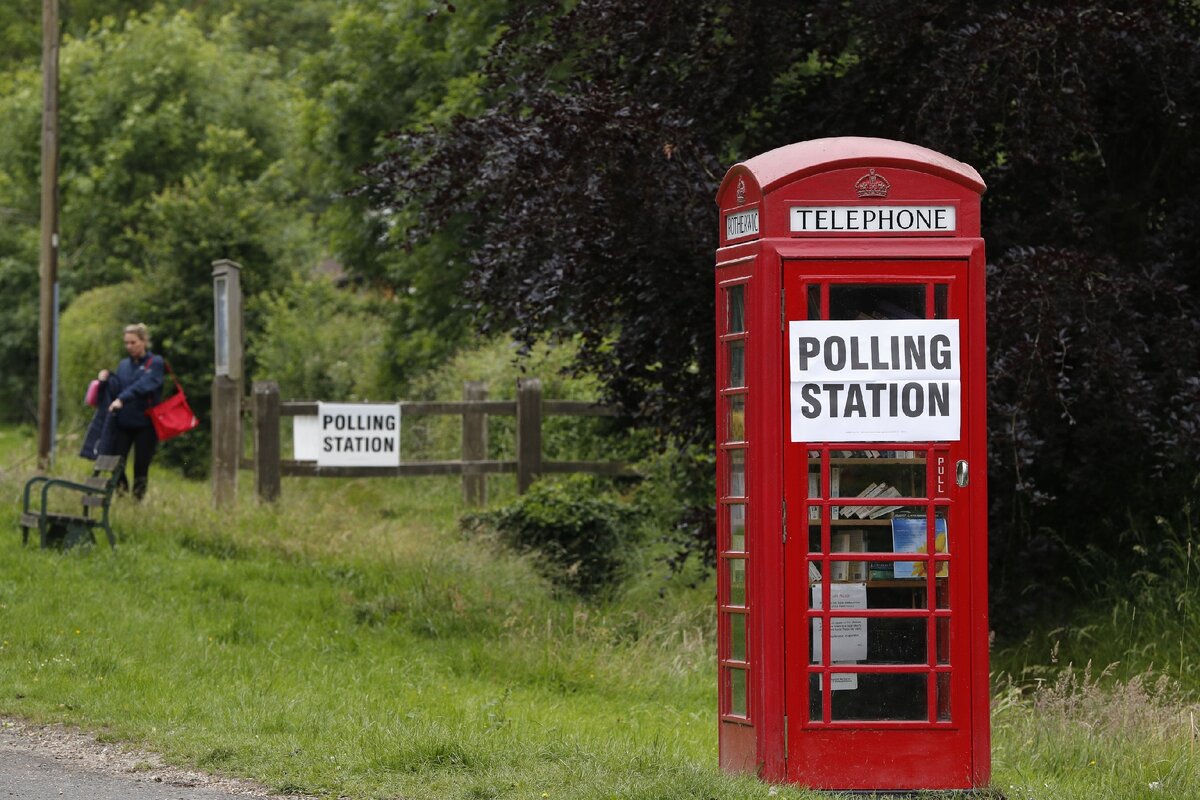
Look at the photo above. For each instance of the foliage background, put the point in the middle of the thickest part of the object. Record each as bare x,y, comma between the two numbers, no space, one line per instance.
397,176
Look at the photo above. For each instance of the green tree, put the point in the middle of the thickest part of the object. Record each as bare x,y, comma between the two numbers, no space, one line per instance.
588,182
394,65
175,146
292,27
344,363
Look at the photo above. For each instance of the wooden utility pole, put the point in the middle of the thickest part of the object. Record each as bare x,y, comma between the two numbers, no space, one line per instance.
48,266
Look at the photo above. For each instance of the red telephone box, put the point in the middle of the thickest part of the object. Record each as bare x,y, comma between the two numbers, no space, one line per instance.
851,468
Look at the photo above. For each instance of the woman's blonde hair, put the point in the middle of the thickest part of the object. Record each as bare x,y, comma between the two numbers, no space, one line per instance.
140,330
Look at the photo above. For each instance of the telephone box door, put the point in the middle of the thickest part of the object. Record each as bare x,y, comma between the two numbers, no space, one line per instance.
878,600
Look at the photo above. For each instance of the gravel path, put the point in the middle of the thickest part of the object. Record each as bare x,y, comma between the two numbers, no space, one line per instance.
51,762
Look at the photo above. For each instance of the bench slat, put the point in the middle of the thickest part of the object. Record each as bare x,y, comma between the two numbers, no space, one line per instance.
96,482
107,463
94,501
65,518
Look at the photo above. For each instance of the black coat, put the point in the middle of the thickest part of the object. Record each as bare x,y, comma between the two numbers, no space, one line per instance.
99,439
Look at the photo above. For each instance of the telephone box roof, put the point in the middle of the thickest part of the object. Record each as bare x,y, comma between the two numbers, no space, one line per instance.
798,160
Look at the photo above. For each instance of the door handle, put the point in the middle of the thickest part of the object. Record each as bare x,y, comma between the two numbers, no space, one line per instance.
962,474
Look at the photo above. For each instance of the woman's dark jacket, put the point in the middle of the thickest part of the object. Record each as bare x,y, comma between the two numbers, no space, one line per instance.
140,387
98,441
138,384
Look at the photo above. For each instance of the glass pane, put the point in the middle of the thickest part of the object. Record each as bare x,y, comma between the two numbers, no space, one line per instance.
816,697
737,637
737,364
737,581
737,473
814,484
814,301
943,697
942,553
889,301
871,473
735,419
942,626
848,639
941,301
737,692
864,696
868,640
736,296
814,536
943,593
737,527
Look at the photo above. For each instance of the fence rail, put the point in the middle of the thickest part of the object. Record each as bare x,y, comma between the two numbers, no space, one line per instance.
529,408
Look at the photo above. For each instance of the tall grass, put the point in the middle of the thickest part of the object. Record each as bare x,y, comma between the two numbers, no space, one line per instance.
1088,735
1138,609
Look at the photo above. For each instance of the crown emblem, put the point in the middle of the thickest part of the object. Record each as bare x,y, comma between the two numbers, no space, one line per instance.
741,192
872,185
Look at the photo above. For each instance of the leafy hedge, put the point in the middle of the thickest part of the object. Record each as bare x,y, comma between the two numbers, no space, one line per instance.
577,534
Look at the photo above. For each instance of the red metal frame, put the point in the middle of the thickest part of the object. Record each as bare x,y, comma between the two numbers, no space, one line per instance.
775,738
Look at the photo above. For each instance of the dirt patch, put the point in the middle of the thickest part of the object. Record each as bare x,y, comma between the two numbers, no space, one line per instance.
80,750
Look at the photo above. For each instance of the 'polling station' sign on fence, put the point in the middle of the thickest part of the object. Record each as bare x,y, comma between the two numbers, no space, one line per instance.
349,435
875,380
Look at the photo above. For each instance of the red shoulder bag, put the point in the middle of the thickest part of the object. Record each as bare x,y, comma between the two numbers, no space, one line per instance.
172,416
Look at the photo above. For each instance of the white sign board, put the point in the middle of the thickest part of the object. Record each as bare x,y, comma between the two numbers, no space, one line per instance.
349,435
847,635
873,219
875,380
741,224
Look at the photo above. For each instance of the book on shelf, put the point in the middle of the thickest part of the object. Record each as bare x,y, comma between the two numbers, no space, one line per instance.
875,490
814,491
857,569
909,535
876,512
852,541
839,542
835,488
880,571
852,511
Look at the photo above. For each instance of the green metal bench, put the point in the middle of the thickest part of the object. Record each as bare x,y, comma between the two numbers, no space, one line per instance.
63,530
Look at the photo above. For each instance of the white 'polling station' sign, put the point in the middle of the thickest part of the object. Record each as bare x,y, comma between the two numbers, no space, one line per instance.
875,380
349,435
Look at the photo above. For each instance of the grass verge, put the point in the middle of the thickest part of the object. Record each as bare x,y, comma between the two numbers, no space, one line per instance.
351,644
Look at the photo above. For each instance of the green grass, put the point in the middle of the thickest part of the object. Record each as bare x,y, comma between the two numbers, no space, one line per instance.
351,643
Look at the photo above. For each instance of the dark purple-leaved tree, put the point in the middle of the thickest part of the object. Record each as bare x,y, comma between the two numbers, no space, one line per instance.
587,190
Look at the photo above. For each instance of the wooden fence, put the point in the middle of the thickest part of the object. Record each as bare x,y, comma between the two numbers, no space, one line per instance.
529,408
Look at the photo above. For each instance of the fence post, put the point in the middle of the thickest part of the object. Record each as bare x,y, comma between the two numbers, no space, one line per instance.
474,444
226,439
266,440
529,432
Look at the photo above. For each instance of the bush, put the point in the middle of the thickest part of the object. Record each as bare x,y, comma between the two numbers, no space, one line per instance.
90,336
341,360
577,534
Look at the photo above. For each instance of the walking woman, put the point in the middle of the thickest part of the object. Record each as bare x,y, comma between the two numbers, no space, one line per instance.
135,386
